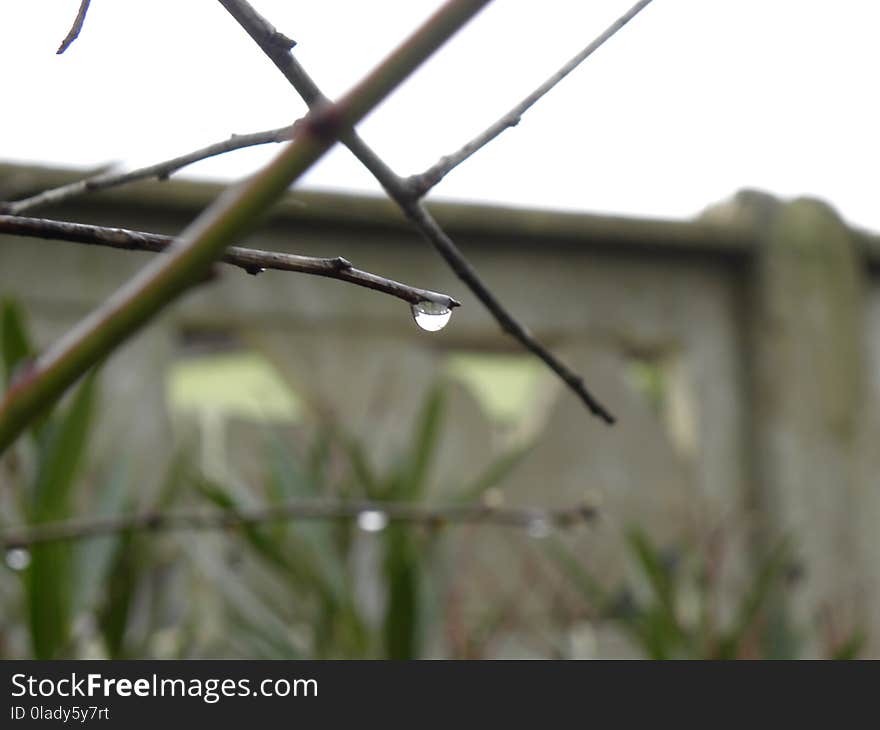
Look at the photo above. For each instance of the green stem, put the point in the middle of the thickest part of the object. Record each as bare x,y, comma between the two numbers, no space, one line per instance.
205,240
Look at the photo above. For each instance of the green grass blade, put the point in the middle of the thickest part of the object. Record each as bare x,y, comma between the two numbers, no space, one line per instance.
95,556
50,578
16,345
493,475
423,446
123,578
755,601
401,625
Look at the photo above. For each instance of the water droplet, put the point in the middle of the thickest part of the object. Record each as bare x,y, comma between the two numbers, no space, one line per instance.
431,316
372,520
18,558
538,528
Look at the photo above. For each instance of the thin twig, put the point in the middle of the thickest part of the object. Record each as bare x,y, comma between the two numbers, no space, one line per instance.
251,260
399,189
205,240
423,182
277,47
76,27
160,171
419,215
540,521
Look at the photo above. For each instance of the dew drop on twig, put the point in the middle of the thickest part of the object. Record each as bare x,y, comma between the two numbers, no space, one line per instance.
18,559
538,528
431,316
372,520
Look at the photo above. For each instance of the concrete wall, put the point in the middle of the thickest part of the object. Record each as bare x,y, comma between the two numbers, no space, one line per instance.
763,318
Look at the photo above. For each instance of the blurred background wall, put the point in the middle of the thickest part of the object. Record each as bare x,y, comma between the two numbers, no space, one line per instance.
740,352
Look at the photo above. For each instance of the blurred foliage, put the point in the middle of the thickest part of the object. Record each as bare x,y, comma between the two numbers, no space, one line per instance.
669,611
373,587
312,588
287,589
57,578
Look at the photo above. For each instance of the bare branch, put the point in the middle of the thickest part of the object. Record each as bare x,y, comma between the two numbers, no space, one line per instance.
538,520
417,213
253,261
401,191
78,21
205,240
160,171
423,182
277,47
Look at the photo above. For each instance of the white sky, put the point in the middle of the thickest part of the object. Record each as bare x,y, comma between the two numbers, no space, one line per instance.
690,102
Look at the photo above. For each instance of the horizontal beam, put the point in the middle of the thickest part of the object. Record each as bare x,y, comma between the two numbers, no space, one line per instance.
513,225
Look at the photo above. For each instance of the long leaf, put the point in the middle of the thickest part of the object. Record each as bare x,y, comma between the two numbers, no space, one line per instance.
16,347
427,429
401,625
755,601
583,580
664,615
63,455
49,578
95,556
494,474
123,580
130,563
286,480
369,482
